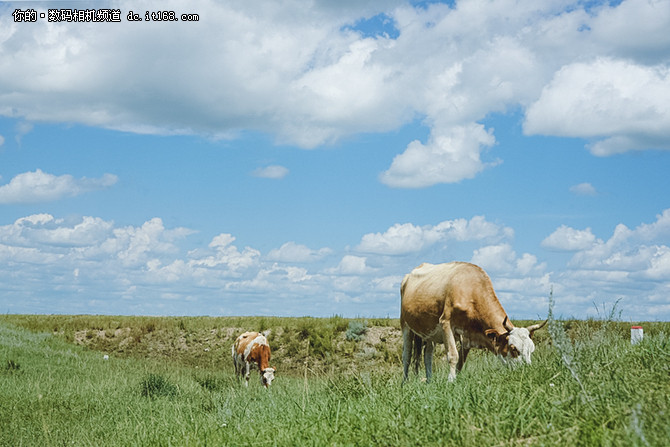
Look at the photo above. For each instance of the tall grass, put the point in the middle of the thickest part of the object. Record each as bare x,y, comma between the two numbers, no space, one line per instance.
53,392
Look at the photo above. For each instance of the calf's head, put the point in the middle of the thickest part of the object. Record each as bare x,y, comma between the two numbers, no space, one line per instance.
267,376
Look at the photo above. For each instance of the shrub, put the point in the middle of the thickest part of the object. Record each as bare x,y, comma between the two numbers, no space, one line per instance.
321,342
356,330
290,342
263,325
338,323
12,366
210,382
155,385
181,325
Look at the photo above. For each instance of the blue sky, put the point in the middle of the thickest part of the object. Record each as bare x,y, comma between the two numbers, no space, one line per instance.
286,158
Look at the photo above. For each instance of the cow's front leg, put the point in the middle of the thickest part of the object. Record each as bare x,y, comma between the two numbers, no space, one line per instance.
452,349
464,355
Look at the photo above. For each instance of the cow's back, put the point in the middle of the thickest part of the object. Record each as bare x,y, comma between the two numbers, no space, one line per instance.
242,344
459,291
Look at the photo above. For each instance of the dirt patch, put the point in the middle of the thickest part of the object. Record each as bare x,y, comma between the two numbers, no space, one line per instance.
379,334
210,347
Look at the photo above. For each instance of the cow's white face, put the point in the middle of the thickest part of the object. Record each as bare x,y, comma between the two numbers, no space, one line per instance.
268,376
520,345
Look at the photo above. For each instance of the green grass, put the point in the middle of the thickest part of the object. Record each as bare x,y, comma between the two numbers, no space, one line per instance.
54,392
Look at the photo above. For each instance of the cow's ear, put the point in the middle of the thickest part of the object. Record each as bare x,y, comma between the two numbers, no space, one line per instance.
503,339
491,333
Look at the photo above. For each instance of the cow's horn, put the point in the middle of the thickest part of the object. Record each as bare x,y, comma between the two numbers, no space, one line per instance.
506,325
535,327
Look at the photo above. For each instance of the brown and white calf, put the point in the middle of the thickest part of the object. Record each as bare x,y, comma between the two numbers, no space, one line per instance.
252,349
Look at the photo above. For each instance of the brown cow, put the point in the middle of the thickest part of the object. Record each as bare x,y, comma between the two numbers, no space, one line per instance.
251,348
439,302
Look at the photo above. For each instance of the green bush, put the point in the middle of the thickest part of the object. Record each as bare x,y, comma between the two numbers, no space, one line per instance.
210,382
12,366
356,330
155,385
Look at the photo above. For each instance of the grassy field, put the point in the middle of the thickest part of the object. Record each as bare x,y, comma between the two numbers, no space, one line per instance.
169,381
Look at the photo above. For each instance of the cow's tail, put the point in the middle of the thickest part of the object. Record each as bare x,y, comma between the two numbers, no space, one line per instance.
417,349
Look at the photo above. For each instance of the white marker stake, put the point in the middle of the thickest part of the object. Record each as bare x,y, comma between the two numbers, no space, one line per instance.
636,335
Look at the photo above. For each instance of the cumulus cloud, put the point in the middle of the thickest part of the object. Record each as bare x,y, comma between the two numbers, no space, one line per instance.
569,239
91,238
449,157
629,266
501,258
226,255
622,105
308,76
641,251
408,238
352,265
272,172
40,186
494,257
292,252
136,245
584,189
94,265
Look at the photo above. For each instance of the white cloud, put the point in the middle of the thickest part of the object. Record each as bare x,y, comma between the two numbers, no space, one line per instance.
619,27
449,157
136,245
659,230
2,140
584,189
569,239
399,239
43,229
352,265
495,258
501,259
40,186
226,256
624,105
272,172
94,265
304,75
659,264
290,274
638,252
22,128
91,246
292,252
409,238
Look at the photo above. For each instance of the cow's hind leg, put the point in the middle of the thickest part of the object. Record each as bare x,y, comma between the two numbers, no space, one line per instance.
238,369
407,343
428,359
246,375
